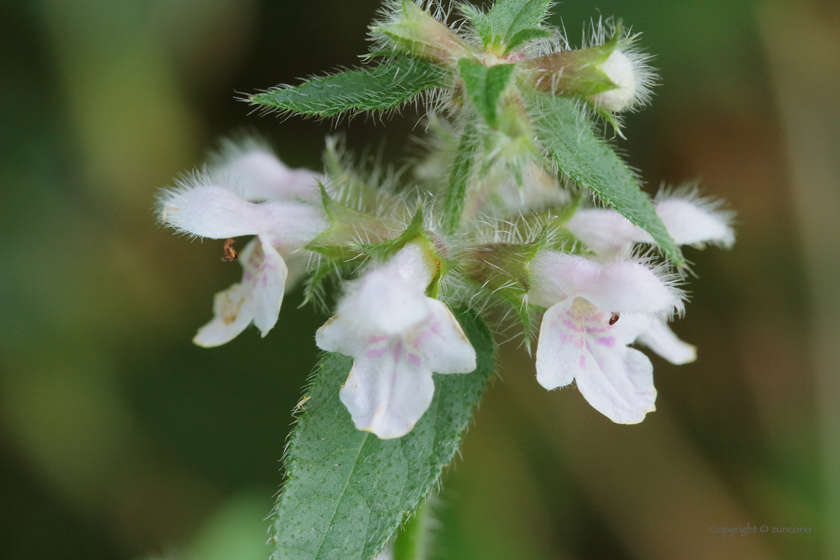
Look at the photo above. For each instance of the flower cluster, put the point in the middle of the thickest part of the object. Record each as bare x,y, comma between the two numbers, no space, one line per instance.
597,301
493,218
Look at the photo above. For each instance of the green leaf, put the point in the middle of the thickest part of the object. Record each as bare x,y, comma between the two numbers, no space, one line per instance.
348,491
485,86
509,17
481,23
589,161
383,87
459,178
522,37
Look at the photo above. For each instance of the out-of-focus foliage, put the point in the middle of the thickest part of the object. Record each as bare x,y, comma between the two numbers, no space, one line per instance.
119,439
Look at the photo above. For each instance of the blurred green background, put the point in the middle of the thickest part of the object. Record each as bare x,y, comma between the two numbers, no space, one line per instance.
121,440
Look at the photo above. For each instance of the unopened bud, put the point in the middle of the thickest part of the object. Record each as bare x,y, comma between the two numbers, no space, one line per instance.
409,28
619,69
605,75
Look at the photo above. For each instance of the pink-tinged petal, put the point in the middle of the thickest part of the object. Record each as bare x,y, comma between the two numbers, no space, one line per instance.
557,276
343,336
606,232
618,382
267,273
631,286
441,342
615,384
232,313
694,221
561,346
661,339
390,299
386,394
640,373
628,327
256,173
209,210
618,286
291,225
578,343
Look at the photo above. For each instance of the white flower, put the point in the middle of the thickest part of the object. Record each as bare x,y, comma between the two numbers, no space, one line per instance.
594,312
398,337
206,207
689,219
252,168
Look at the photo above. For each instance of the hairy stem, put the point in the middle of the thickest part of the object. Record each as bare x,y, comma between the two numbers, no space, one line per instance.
453,209
411,543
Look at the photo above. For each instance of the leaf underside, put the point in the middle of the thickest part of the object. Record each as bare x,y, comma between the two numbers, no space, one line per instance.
383,87
580,154
348,491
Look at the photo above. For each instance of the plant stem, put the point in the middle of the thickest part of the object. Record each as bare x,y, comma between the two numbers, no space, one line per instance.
459,180
412,539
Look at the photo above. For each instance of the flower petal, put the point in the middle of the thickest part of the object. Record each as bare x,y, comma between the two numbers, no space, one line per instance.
560,350
388,389
210,210
390,299
618,383
618,286
689,219
265,273
291,225
256,173
232,313
662,340
694,221
442,342
577,342
606,232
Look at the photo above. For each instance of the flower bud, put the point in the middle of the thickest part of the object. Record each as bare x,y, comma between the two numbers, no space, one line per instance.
619,70
409,28
610,76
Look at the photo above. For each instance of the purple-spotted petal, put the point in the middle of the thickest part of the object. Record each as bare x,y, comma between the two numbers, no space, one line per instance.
619,384
560,351
578,343
388,389
265,273
442,342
